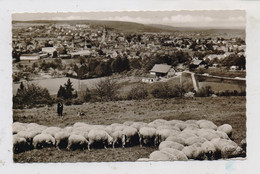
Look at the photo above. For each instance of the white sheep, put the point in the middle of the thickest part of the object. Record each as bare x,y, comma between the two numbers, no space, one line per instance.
192,140
227,148
209,150
158,122
173,122
206,124
181,125
19,144
80,124
28,135
227,128
194,151
186,135
168,127
179,154
162,134
99,135
147,135
77,141
139,125
61,138
209,135
170,144
51,130
191,121
243,144
36,128
43,140
191,129
118,137
222,135
162,156
128,123
131,136
17,127
68,129
176,139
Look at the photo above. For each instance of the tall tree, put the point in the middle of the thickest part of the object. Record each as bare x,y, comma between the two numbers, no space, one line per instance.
68,89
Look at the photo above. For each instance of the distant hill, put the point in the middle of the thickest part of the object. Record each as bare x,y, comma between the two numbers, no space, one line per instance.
137,27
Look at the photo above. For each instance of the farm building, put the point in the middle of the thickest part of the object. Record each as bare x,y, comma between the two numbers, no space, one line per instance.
49,50
80,53
29,57
198,63
162,70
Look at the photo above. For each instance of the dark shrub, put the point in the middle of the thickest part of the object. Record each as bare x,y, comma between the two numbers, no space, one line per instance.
137,93
204,92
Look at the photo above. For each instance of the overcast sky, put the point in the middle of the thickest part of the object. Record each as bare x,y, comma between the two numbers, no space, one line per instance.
206,18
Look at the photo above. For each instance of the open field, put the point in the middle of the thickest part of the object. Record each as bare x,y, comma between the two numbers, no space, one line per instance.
220,110
217,86
225,73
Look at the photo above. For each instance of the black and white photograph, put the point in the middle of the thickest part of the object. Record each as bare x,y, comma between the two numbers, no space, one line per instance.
129,86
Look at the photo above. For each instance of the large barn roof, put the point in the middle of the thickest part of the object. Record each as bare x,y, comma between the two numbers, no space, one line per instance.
161,68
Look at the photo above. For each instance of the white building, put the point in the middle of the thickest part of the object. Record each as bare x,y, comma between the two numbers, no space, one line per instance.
29,57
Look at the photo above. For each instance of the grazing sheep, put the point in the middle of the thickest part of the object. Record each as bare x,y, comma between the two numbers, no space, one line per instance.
192,140
206,124
156,123
128,123
19,144
51,130
173,122
162,156
28,135
139,125
68,129
43,140
181,125
162,134
209,135
35,128
186,135
131,136
209,150
227,148
77,141
118,137
170,144
227,128
179,154
168,127
61,138
80,124
17,127
191,121
222,135
176,139
99,135
192,129
194,151
243,144
147,135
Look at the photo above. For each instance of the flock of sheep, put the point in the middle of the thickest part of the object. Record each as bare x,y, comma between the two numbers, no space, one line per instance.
177,140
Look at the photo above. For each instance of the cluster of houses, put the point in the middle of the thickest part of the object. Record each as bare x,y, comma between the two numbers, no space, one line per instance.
96,41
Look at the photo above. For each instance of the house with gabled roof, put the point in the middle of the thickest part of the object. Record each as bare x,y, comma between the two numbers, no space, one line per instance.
162,70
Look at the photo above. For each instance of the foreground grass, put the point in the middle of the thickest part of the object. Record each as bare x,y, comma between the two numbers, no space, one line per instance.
220,110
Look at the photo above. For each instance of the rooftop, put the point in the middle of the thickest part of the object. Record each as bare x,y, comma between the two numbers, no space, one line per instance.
161,68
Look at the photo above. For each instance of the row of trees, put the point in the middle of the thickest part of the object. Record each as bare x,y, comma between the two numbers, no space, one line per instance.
96,68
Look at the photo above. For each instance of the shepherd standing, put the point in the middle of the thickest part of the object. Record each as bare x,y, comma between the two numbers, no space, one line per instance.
60,108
